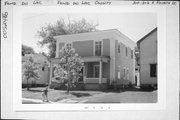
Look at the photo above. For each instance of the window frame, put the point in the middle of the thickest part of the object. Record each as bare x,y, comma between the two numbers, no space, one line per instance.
153,74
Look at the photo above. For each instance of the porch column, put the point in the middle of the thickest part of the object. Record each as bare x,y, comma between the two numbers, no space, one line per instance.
100,72
50,78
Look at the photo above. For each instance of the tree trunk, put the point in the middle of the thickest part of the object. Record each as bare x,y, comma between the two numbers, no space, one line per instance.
68,87
27,84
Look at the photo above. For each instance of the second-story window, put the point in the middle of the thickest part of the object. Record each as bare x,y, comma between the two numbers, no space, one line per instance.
98,48
119,48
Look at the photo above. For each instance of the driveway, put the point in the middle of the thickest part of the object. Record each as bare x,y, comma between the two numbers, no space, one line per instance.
125,97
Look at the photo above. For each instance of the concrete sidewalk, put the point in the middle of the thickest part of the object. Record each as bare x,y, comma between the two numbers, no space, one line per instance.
33,101
36,101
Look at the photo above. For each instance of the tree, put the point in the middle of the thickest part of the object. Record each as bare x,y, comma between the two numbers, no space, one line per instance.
30,69
48,32
69,67
27,50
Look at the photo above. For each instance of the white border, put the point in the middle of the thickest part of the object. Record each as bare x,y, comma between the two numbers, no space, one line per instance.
17,28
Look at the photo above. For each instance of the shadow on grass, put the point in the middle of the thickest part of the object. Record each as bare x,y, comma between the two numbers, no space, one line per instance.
80,94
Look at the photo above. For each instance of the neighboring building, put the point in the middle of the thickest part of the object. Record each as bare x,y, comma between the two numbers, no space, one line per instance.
148,58
137,67
108,57
43,71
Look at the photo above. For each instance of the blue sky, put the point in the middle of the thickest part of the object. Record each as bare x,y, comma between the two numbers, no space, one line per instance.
133,25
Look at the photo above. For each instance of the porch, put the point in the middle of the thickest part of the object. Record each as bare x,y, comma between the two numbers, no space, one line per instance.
93,69
93,73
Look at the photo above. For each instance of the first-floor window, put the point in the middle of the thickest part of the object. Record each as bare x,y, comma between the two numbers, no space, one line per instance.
69,45
96,71
127,74
124,73
119,73
153,70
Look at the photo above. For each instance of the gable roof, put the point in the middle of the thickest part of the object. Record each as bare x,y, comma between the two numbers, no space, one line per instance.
155,29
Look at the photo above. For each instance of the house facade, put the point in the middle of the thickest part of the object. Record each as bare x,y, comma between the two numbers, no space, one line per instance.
148,58
108,57
44,70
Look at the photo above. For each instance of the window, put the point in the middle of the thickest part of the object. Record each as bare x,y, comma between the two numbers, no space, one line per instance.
153,70
96,71
126,51
127,74
69,45
124,73
119,73
119,48
98,48
132,54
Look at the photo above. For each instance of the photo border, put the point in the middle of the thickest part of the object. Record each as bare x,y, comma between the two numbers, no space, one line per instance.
17,39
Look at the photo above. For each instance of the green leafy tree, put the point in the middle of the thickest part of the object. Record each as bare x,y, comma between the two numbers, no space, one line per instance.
69,67
30,69
48,32
27,50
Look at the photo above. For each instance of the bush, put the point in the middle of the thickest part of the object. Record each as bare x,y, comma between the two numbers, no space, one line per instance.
147,87
33,85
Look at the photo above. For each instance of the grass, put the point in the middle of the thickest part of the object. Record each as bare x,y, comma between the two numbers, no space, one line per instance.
127,96
55,95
